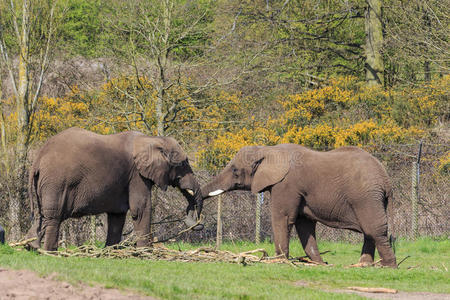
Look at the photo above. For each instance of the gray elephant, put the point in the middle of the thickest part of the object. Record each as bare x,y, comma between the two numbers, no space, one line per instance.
344,188
78,173
2,235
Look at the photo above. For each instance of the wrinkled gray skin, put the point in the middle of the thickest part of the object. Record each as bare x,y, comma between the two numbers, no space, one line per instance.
78,173
345,188
2,235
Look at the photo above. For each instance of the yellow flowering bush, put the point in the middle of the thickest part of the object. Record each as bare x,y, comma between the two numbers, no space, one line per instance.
423,106
56,114
217,154
220,112
321,136
301,108
444,164
126,103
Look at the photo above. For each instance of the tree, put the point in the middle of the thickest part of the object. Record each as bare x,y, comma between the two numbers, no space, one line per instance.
416,40
164,40
27,35
374,43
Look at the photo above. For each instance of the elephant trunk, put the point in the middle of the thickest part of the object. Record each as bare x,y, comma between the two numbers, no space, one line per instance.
214,187
191,190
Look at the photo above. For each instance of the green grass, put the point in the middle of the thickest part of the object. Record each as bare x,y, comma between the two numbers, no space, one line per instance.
176,280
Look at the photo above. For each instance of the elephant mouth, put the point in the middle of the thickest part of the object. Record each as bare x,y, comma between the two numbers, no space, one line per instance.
190,221
216,192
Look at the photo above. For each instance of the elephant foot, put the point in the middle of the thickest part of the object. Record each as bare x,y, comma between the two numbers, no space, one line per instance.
366,259
143,242
33,245
389,263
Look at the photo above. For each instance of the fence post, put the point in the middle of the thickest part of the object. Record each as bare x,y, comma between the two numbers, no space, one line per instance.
415,177
152,202
219,222
259,201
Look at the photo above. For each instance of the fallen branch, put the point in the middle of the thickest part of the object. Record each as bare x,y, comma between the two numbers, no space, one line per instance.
306,256
22,243
372,290
363,264
408,256
126,249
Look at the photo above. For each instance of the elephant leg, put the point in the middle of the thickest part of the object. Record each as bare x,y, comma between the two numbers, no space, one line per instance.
35,232
284,206
373,222
115,227
281,231
51,233
141,209
142,227
306,230
368,251
386,253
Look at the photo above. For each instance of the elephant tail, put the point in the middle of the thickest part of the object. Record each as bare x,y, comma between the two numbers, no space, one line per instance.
32,192
389,205
35,206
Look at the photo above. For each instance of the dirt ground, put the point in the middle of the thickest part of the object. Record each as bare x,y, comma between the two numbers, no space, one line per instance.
21,285
24,284
400,295
397,296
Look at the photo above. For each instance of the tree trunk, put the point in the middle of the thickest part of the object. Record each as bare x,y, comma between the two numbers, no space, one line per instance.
427,27
22,110
374,43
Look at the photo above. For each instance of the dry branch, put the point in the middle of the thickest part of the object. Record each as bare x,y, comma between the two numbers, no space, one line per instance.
364,264
126,250
372,290
22,243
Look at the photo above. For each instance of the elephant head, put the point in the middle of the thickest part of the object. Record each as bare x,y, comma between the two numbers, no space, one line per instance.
163,161
254,168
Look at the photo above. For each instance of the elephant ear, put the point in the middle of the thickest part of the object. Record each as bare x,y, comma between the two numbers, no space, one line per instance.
151,160
269,168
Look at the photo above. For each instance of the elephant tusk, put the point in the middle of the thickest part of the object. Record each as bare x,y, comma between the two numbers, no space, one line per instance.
216,192
191,192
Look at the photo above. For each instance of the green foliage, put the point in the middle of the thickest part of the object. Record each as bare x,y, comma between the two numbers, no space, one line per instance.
82,32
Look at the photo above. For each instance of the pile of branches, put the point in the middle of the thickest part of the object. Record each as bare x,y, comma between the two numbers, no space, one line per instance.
158,251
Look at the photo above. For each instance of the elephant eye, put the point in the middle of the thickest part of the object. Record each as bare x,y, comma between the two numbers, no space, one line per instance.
235,172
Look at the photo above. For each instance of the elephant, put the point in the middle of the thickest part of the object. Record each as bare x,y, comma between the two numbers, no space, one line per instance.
78,173
2,235
344,188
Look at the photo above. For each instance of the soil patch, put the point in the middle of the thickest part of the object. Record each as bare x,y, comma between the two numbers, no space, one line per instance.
399,295
24,284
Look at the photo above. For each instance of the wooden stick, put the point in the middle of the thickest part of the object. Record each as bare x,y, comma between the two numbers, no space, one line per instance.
408,256
22,243
372,290
363,265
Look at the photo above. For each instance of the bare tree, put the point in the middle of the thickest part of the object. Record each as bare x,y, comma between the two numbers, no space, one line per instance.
27,35
163,39
416,40
171,43
374,43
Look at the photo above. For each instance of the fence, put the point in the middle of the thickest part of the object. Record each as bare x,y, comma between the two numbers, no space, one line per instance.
243,214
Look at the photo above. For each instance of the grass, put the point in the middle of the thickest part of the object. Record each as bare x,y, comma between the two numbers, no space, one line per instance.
176,280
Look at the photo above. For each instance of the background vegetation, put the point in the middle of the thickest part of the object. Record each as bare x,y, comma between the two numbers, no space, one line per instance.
218,75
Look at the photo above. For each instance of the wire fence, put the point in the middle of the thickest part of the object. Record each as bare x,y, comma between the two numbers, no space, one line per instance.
421,206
